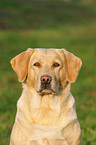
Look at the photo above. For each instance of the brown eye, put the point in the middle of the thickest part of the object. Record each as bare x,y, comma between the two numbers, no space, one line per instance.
37,64
56,64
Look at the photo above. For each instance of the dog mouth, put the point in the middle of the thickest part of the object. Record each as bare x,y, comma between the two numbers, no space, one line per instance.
46,90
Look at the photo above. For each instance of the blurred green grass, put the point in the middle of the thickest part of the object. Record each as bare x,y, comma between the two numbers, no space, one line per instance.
48,24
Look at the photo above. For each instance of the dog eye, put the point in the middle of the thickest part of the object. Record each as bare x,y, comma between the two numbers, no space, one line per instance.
56,64
37,64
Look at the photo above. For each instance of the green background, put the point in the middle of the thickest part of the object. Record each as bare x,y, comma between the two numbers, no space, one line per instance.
48,24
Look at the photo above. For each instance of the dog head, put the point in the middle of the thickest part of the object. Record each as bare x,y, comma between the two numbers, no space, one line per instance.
46,70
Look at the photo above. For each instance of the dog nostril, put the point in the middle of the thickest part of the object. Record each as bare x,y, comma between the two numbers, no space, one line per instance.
43,80
48,80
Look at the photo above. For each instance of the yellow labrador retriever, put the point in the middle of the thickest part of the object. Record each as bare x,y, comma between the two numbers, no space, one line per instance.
46,112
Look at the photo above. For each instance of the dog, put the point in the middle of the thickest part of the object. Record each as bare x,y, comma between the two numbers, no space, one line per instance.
46,112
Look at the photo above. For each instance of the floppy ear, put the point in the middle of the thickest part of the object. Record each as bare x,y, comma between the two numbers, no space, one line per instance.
20,64
73,65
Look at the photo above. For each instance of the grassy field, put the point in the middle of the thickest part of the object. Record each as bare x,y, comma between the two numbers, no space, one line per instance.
47,24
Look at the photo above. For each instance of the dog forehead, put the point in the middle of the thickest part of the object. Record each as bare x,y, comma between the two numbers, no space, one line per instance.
46,53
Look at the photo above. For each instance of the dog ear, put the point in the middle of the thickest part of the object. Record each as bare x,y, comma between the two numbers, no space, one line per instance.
20,64
73,65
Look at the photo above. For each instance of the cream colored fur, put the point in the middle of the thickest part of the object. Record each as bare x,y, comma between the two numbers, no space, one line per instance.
49,118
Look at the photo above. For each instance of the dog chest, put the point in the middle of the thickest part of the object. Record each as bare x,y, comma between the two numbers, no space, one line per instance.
41,132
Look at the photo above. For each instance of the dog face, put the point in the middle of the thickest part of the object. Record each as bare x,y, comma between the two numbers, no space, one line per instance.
46,69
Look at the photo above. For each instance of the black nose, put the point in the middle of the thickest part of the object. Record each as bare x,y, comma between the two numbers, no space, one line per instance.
46,79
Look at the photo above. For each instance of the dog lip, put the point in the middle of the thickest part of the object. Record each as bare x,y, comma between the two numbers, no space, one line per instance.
46,91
